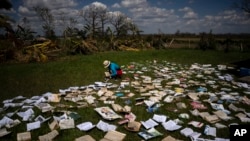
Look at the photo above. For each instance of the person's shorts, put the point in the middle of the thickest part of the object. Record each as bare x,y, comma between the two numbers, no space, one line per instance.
119,72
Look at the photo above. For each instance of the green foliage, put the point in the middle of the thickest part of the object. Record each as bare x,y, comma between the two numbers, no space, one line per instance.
24,33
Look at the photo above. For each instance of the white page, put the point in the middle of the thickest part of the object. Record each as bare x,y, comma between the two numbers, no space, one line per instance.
67,124
4,121
171,125
149,123
186,131
85,126
33,125
159,118
210,131
105,126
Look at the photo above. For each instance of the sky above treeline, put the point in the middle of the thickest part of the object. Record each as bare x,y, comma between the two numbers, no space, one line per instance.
151,16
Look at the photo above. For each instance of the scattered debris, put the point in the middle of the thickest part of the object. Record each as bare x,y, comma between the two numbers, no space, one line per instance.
210,96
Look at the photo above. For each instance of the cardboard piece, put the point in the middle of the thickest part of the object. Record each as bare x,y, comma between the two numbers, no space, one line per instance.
133,126
169,138
25,136
4,132
53,125
49,137
114,136
85,138
66,124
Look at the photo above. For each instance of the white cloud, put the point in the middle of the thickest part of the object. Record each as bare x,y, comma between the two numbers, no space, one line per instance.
95,6
23,10
116,5
58,8
51,4
185,9
4,11
189,13
99,5
149,18
134,3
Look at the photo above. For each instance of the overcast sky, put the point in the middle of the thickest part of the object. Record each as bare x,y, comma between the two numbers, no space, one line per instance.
151,16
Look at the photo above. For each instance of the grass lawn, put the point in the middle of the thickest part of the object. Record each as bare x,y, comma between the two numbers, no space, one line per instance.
39,78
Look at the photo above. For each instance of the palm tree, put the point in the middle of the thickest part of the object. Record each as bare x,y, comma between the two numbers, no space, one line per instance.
4,20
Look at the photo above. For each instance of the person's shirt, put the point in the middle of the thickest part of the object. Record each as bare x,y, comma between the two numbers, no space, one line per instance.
113,67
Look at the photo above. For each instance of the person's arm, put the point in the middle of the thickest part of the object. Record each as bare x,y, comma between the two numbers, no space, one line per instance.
113,70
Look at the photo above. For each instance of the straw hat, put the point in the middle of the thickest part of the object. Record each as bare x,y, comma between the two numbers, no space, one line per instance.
106,63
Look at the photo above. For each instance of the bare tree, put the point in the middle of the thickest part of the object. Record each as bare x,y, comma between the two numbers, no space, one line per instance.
243,5
69,25
120,22
95,18
48,21
134,29
103,19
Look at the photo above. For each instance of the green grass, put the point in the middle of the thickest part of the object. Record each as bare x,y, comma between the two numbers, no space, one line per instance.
38,78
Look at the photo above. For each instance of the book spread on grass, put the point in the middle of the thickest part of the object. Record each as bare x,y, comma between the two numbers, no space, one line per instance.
85,126
107,113
149,123
33,125
66,124
149,134
171,125
105,126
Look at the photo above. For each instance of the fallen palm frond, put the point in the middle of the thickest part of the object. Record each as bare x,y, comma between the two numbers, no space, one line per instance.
38,52
83,47
125,48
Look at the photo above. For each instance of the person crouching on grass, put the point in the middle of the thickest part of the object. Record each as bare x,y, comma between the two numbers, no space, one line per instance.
114,70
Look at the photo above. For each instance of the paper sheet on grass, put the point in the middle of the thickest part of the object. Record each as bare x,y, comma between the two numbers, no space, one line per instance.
49,136
113,135
107,113
26,114
151,133
24,136
85,126
105,126
210,131
186,131
4,132
33,125
149,123
4,121
41,119
159,118
171,125
85,138
67,124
